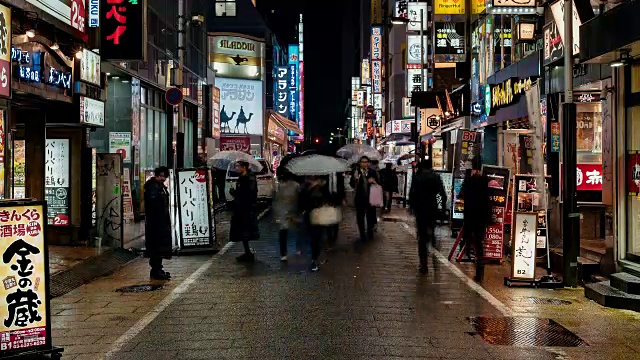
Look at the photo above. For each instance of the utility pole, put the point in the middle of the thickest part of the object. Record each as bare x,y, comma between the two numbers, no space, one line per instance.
179,82
570,214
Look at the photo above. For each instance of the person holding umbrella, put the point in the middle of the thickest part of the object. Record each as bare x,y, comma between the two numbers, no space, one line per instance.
244,221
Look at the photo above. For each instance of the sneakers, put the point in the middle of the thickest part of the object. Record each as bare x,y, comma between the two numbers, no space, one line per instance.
283,258
314,266
246,258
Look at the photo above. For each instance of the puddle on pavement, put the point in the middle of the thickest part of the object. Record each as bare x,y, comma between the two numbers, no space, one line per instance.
139,288
522,331
545,301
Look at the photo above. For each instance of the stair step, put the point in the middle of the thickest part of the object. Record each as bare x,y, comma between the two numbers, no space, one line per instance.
626,282
606,295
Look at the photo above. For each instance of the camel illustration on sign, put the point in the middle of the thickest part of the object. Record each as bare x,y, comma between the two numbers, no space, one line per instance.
239,59
225,119
242,119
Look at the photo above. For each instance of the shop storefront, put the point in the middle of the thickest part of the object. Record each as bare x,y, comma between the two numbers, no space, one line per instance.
57,95
276,135
620,126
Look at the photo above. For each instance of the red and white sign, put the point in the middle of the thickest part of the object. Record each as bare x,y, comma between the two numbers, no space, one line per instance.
5,59
215,112
239,143
589,177
77,15
633,173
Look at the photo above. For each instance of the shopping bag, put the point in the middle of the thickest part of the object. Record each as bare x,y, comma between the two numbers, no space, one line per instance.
325,215
376,196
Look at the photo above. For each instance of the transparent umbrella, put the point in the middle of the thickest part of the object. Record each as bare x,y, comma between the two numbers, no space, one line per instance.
226,159
351,151
316,165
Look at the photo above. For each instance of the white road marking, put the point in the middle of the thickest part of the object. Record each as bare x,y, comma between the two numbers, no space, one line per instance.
139,326
462,276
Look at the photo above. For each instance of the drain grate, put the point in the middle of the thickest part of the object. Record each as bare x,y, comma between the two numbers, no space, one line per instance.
521,331
545,301
139,288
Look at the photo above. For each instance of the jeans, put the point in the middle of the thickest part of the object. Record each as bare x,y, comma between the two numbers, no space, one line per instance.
370,213
155,262
426,235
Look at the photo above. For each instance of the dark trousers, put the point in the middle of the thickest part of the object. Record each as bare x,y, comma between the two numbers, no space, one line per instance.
426,236
283,237
474,236
155,261
317,235
369,213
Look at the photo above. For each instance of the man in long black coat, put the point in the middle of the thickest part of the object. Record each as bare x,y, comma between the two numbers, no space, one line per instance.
477,214
158,223
244,221
389,183
361,181
425,187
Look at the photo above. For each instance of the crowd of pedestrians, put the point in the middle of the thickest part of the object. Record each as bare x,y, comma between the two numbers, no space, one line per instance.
313,206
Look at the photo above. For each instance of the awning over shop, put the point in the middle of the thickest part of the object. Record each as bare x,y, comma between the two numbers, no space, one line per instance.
284,122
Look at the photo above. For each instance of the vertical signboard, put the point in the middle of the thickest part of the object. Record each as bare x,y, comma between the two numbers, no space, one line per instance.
467,149
194,212
376,71
401,8
56,181
5,51
365,72
499,178
94,13
122,30
281,95
301,101
376,43
293,82
215,114
109,199
523,266
376,12
414,49
415,79
24,296
413,14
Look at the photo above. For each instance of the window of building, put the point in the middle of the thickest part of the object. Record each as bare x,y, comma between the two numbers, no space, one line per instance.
225,7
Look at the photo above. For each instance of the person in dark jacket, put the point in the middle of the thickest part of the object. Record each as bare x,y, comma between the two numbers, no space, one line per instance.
315,195
244,221
361,181
425,188
158,223
477,213
389,183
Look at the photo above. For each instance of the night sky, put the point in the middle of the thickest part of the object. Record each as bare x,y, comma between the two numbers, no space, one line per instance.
330,55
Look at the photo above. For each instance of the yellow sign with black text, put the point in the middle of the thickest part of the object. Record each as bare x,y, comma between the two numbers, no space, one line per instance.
449,7
477,7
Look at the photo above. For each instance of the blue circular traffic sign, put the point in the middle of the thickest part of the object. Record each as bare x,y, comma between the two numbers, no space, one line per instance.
174,96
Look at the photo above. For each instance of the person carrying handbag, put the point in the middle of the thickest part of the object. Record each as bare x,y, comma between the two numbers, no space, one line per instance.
361,180
321,215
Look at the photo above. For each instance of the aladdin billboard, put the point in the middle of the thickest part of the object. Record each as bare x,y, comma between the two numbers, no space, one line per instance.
238,57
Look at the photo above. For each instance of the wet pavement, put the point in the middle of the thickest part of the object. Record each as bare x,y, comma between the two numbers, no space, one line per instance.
366,302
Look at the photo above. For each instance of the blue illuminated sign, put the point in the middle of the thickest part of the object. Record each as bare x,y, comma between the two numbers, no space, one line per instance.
294,53
31,66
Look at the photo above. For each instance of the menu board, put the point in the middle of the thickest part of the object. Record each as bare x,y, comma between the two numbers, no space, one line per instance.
56,181
467,148
24,297
527,195
498,177
193,208
524,245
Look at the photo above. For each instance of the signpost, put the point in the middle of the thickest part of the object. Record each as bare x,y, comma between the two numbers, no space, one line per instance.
174,96
25,328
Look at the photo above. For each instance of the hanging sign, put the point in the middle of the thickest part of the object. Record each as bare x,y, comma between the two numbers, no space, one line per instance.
401,8
589,177
56,184
523,265
415,78
449,7
552,43
376,71
215,113
122,30
555,137
376,43
365,72
5,54
414,16
281,95
449,38
94,13
25,310
91,111
194,210
414,49
90,67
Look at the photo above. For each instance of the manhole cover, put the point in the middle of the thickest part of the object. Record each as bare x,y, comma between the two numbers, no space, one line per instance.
139,288
520,331
545,301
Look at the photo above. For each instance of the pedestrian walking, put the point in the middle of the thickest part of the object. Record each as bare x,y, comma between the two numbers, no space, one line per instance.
244,221
285,207
158,223
361,181
389,183
321,215
477,213
425,188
